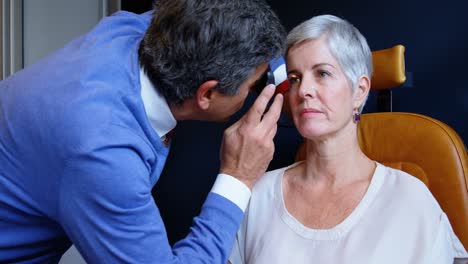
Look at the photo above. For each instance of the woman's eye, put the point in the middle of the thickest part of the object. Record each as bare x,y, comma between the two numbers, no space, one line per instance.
294,79
324,74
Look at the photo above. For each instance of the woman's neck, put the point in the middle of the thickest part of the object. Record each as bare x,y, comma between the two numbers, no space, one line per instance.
336,160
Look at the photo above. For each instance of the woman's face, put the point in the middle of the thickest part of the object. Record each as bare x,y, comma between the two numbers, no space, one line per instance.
320,95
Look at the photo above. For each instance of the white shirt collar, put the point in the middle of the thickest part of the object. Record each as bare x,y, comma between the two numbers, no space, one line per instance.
156,107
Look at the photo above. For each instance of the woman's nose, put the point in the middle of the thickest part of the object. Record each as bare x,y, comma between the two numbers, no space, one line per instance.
307,89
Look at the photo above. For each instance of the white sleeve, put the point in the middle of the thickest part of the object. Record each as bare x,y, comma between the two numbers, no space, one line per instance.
232,189
447,247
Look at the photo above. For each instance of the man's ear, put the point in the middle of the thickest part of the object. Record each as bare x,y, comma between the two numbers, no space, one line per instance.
205,94
361,91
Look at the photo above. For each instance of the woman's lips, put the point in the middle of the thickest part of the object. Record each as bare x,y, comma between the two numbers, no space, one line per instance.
309,112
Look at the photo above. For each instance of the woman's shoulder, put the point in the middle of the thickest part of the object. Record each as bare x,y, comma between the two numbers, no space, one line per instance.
270,178
406,206
268,188
407,189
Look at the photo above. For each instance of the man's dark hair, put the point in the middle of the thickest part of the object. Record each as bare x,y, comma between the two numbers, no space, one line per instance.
193,41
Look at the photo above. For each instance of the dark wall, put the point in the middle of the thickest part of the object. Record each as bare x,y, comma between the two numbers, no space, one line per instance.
435,35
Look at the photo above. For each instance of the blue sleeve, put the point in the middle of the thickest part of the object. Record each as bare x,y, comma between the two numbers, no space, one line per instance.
107,210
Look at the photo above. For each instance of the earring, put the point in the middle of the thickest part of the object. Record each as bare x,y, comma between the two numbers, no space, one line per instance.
357,116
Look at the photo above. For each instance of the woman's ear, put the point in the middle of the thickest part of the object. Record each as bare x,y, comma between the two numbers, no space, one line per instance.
361,91
205,94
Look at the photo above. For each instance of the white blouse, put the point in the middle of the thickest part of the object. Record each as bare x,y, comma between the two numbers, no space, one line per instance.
397,221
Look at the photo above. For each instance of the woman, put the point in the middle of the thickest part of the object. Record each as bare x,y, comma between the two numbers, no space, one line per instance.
338,206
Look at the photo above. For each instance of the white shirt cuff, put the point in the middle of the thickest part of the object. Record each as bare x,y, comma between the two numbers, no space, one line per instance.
233,190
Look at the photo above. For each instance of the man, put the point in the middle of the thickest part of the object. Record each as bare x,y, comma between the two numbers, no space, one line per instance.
84,133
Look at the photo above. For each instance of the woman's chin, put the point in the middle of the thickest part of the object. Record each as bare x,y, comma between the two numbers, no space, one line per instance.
314,134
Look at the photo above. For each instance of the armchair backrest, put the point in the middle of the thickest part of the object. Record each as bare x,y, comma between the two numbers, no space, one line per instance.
427,149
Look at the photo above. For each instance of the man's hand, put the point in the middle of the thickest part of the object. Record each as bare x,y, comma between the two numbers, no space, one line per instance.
248,146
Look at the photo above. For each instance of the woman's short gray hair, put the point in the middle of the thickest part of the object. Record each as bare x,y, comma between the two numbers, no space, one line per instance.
345,42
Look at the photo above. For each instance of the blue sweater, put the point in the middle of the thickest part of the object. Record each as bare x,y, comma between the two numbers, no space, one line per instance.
78,160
